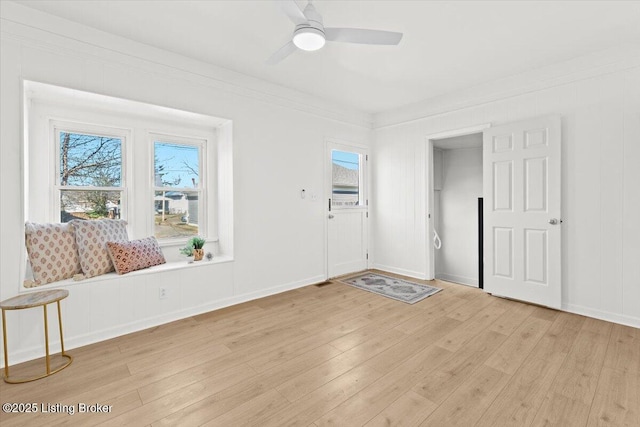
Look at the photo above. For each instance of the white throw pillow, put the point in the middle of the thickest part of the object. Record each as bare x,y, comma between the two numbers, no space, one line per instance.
92,237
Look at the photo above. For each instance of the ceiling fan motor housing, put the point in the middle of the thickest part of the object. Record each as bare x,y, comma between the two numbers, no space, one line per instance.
310,35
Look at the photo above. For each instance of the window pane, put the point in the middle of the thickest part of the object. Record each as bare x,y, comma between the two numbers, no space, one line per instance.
176,165
80,204
346,178
176,214
90,160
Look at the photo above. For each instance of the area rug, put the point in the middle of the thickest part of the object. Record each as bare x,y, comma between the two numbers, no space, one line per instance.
391,287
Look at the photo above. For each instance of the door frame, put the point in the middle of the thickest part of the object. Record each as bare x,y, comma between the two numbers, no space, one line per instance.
327,193
429,193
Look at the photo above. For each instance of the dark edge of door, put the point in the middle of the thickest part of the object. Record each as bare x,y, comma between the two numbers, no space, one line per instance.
480,244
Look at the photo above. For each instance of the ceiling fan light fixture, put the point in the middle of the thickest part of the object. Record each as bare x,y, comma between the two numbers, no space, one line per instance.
309,39
310,33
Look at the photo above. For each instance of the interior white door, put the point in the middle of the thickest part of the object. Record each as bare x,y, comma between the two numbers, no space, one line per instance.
347,210
522,221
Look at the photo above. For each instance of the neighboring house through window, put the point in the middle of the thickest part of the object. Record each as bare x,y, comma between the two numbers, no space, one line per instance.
346,179
90,156
90,182
179,187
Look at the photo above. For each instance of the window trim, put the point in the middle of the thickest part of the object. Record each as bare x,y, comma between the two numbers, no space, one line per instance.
362,161
58,126
202,143
88,111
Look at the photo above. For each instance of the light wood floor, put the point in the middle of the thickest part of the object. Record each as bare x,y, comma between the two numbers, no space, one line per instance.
336,355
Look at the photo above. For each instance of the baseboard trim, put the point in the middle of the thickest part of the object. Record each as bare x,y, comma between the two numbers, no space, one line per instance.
467,281
402,271
621,319
105,334
602,315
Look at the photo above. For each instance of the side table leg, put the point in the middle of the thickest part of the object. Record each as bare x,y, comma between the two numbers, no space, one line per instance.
46,339
60,324
4,341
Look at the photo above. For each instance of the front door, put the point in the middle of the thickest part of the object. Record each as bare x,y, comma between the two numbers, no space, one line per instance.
347,209
522,220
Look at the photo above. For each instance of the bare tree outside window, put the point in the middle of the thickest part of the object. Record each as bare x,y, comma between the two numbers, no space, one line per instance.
90,160
178,189
90,171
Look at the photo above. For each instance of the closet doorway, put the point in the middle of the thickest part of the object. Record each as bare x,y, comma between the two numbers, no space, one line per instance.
521,230
456,214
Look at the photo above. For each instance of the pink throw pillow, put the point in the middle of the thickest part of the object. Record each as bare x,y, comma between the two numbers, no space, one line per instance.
135,255
52,251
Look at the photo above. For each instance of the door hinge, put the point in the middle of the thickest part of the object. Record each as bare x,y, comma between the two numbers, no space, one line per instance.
367,214
367,255
367,202
366,157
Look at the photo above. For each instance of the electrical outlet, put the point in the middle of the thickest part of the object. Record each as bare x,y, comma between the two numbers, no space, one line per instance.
164,293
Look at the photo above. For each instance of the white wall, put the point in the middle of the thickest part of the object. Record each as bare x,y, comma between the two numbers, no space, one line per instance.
599,100
278,148
398,209
457,215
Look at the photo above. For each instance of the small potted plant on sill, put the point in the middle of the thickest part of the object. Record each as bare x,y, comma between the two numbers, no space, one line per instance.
188,252
197,243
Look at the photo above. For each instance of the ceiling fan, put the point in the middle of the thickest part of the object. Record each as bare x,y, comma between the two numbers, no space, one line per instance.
311,34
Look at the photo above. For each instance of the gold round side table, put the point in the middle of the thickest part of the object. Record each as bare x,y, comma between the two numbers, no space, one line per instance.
30,300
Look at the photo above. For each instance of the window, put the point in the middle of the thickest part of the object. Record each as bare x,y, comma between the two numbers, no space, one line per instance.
179,187
167,172
346,179
90,181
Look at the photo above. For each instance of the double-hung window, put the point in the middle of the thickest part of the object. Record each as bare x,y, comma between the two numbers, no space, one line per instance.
179,187
90,181
91,157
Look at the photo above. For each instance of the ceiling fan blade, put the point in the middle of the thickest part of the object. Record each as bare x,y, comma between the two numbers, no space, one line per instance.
282,53
291,9
357,35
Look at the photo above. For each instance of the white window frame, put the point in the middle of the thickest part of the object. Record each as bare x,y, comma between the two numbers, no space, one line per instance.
203,165
59,126
47,106
362,162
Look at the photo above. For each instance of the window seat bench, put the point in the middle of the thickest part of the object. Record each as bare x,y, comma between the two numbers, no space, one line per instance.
157,269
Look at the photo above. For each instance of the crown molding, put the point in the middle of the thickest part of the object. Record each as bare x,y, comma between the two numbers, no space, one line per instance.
42,30
45,31
580,68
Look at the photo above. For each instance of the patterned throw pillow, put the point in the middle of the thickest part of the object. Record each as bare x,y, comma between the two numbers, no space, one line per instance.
92,237
135,255
52,251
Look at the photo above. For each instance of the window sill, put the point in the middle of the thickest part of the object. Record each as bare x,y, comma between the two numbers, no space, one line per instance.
177,242
169,266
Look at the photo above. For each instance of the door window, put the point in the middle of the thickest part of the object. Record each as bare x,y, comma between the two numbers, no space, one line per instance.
346,182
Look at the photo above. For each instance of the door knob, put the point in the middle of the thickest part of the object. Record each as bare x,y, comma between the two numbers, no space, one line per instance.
553,221
330,216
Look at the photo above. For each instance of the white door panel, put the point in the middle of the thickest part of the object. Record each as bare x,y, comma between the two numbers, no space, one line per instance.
522,202
347,250
347,229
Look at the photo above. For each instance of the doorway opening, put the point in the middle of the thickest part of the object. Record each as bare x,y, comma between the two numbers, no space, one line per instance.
457,186
347,208
521,183
455,192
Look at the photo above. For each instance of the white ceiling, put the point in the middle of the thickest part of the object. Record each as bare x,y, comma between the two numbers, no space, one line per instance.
447,45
